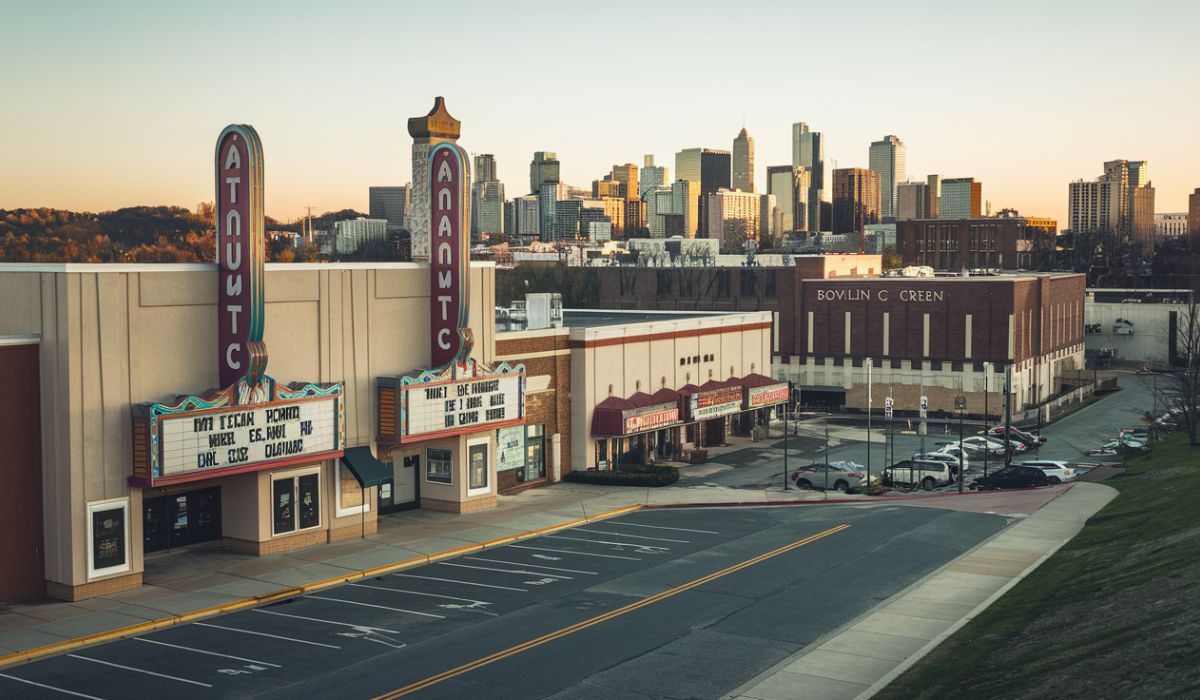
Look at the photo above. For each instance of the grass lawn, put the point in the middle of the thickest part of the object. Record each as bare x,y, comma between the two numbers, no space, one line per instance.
1114,614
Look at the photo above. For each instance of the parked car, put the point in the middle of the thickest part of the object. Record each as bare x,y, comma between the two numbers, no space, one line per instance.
918,472
976,445
1015,434
1014,477
839,476
949,455
1056,471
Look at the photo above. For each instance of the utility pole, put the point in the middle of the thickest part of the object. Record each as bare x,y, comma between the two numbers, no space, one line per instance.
870,362
785,439
960,403
827,451
987,418
1007,414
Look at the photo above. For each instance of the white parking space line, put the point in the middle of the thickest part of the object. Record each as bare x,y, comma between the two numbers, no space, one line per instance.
616,544
381,607
429,595
139,670
534,566
520,572
636,537
204,651
465,583
317,619
264,634
663,527
64,691
567,551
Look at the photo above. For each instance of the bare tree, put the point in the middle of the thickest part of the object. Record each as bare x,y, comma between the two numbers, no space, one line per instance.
1181,389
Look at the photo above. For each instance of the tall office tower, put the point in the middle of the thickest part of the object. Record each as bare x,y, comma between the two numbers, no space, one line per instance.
391,203
349,234
487,208
768,219
544,168
526,220
733,218
856,199
962,198
607,187
635,214
789,184
912,201
887,157
427,131
1121,201
652,176
808,150
933,194
685,202
1194,213
708,169
548,198
658,209
614,209
743,162
627,175
485,168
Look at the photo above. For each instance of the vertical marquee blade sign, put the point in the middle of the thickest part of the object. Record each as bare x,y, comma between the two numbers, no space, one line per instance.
240,252
450,255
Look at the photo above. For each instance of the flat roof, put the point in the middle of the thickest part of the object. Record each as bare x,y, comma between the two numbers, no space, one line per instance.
589,318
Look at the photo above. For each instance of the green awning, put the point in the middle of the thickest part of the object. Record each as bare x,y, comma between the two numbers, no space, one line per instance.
367,470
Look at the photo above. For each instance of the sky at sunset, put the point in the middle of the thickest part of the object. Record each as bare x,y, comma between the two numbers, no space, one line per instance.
120,103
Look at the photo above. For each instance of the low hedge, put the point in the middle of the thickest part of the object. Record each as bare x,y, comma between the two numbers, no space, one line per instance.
627,475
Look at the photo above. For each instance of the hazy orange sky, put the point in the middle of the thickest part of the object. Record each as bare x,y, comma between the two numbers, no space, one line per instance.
118,104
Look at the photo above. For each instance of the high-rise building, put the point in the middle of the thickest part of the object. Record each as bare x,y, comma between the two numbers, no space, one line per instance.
349,234
571,214
548,198
391,203
743,162
912,200
685,203
487,208
808,150
525,219
1170,225
856,199
769,220
790,184
652,176
961,198
427,131
542,169
1121,202
1194,213
709,170
635,214
933,191
607,187
485,168
658,209
614,208
887,157
627,175
733,218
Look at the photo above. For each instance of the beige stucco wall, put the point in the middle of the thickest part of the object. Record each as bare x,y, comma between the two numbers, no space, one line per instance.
115,335
648,364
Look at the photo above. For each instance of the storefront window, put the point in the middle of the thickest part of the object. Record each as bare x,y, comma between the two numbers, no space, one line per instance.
535,443
309,503
478,467
296,502
438,465
285,512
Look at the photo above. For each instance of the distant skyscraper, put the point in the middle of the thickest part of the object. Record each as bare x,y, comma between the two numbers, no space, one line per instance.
1121,201
525,219
487,198
685,203
349,234
855,199
911,200
887,157
544,168
769,220
933,192
485,168
607,187
743,162
709,170
962,198
808,150
427,131
789,184
391,203
1194,213
733,218
627,175
652,176
548,198
658,210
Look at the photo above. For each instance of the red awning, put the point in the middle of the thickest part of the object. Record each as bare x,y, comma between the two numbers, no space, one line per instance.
608,419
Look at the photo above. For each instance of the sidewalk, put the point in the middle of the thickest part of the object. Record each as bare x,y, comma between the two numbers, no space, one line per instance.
186,581
860,659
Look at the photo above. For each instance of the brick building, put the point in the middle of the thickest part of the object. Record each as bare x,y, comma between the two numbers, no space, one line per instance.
538,452
1005,243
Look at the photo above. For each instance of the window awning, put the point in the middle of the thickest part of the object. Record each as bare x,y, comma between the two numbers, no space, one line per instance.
367,470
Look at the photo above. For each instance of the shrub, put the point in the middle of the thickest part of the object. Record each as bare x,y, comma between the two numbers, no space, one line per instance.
627,475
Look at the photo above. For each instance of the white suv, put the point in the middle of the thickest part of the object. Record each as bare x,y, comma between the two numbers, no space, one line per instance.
1056,471
916,472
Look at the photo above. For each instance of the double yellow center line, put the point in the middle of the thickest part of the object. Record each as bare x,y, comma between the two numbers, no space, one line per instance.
604,617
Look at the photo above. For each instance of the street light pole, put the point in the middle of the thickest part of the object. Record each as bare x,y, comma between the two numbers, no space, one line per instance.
870,362
960,404
785,439
987,418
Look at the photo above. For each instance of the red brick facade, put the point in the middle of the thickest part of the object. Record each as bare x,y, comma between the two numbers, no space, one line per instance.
997,243
547,361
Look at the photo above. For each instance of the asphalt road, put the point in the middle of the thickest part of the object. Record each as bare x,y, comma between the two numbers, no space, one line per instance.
1069,439
687,603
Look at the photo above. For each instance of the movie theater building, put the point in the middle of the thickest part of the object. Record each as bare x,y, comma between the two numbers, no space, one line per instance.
933,337
124,440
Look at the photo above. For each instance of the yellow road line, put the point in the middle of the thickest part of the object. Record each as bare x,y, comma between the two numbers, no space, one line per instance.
558,634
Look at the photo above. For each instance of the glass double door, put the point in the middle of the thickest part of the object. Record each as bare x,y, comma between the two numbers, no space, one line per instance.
181,519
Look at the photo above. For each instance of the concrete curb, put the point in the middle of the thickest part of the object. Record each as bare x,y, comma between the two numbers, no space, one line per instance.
20,657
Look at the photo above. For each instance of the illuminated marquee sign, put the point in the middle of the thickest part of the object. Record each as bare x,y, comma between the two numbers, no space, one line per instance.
240,252
767,395
472,404
449,255
714,404
652,418
205,436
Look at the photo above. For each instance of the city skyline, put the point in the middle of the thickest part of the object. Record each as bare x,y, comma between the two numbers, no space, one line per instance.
127,116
